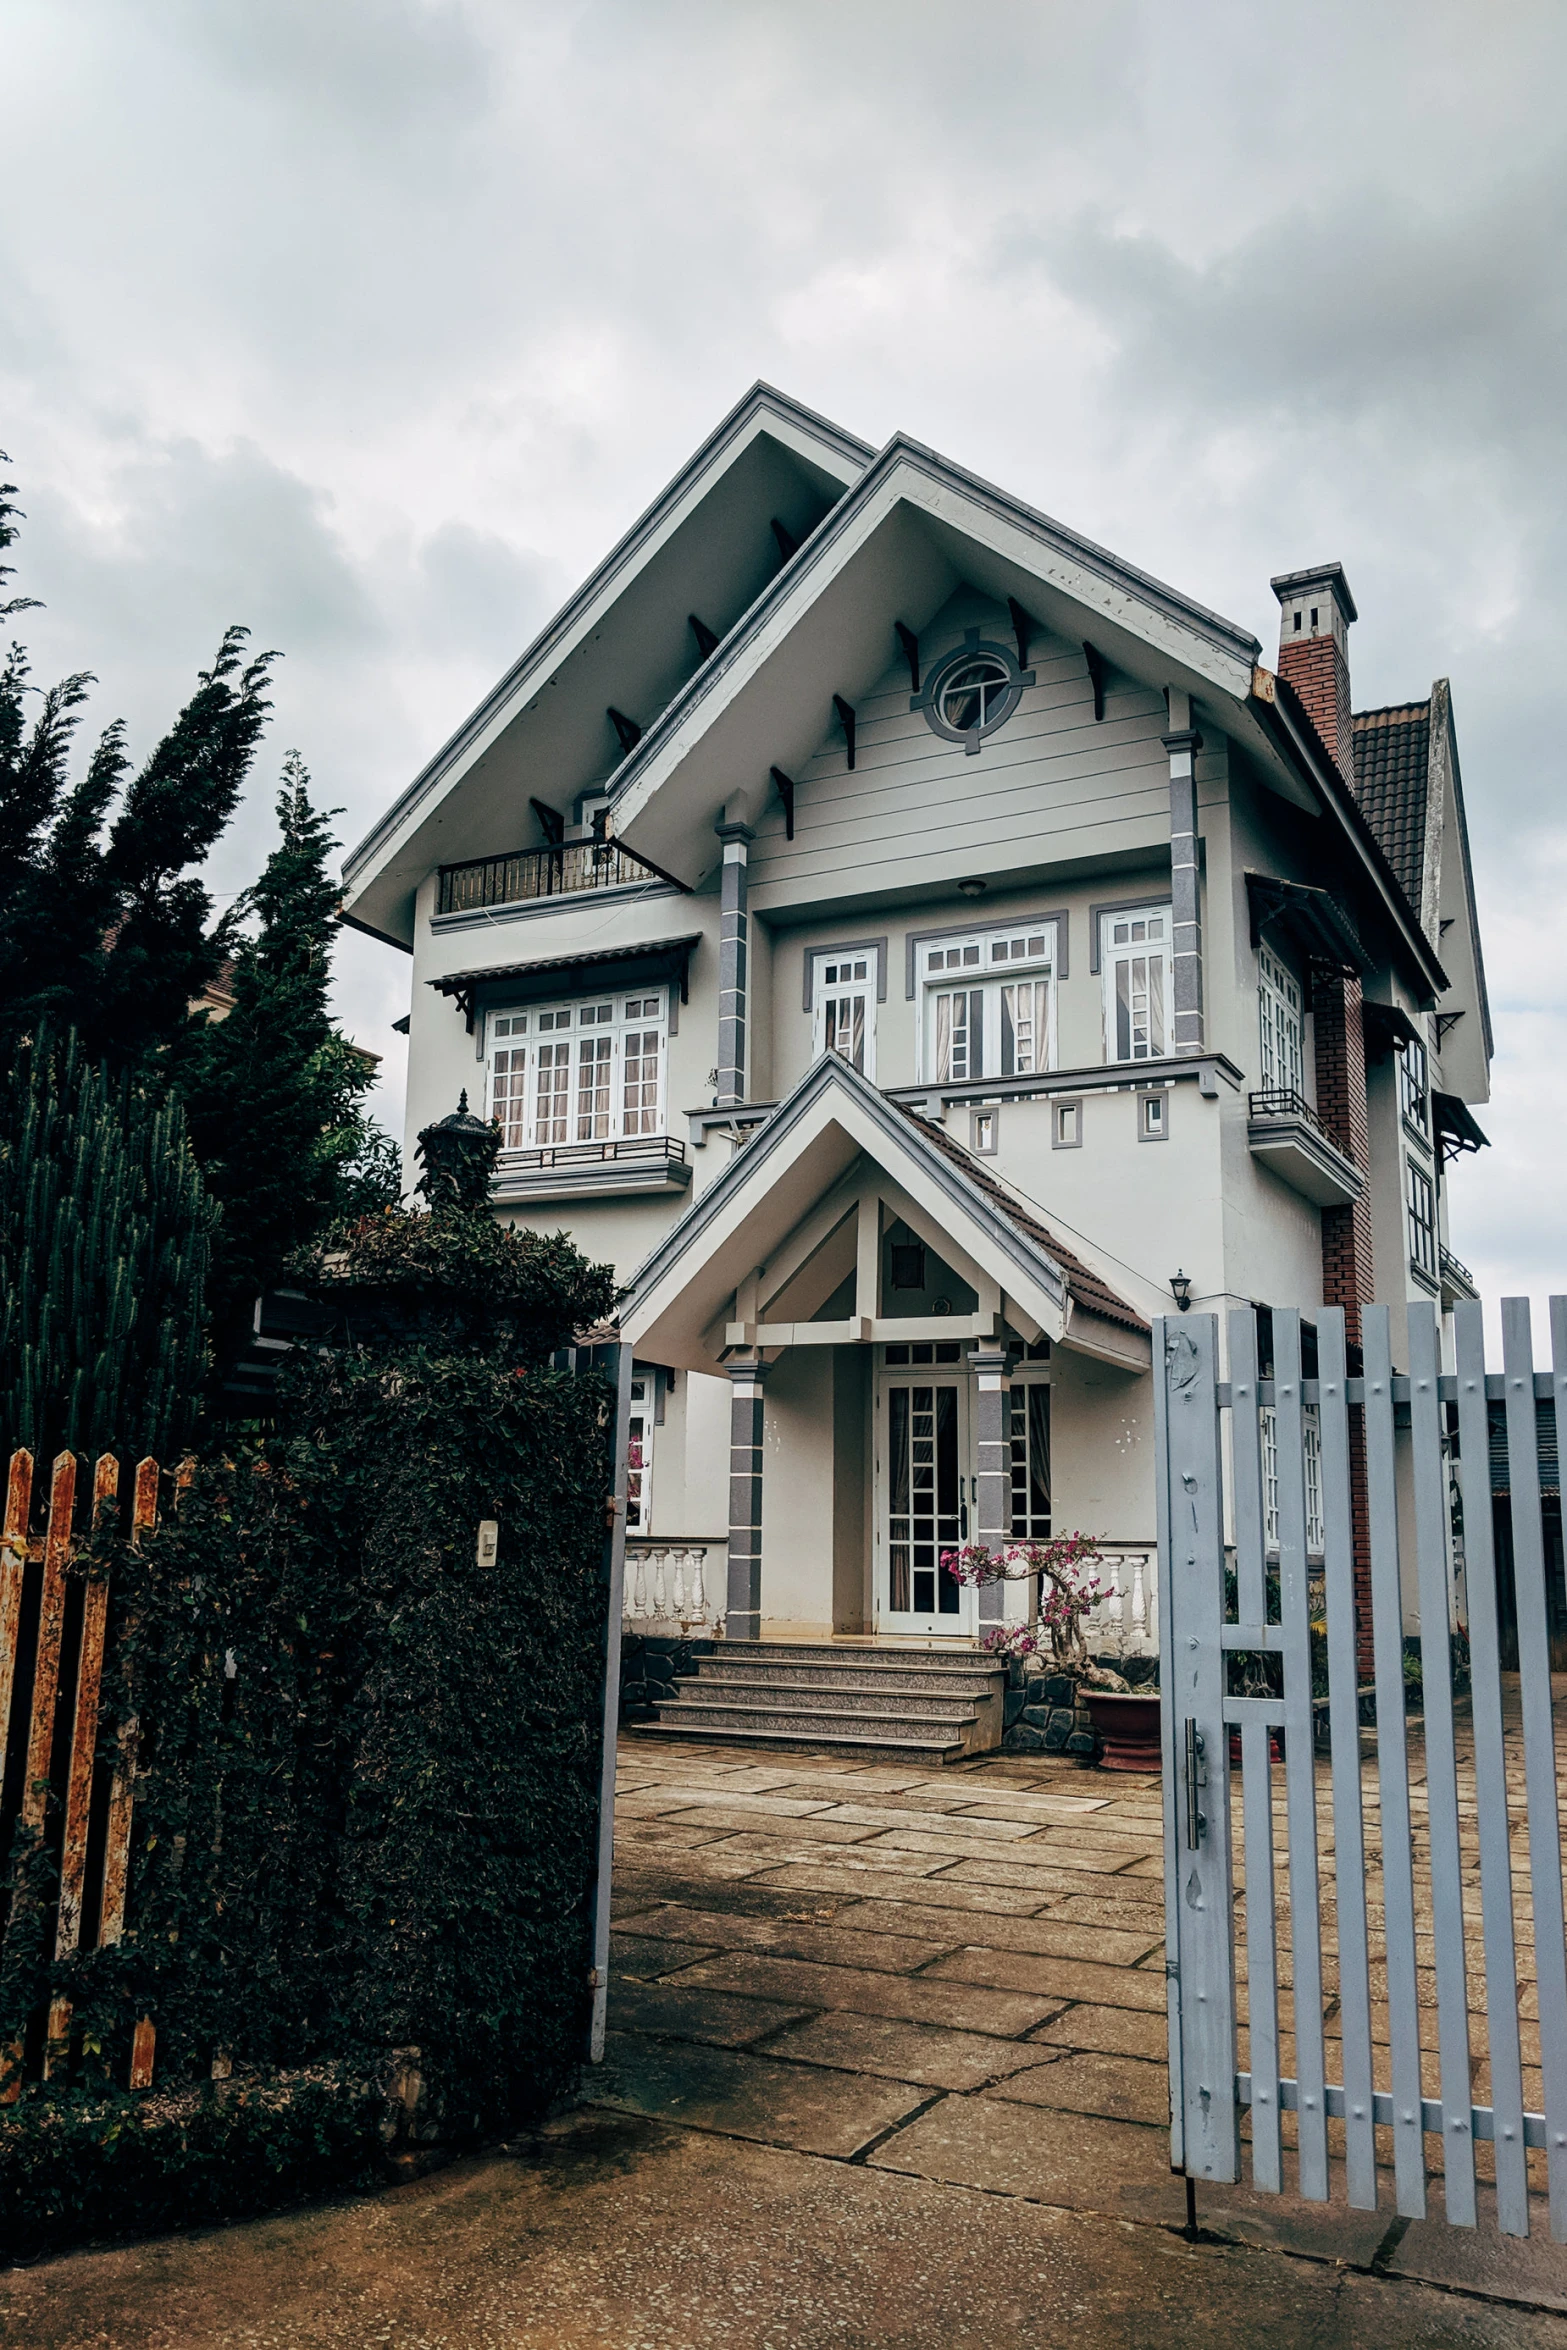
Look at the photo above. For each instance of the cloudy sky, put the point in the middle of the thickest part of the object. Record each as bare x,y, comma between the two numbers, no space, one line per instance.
371,323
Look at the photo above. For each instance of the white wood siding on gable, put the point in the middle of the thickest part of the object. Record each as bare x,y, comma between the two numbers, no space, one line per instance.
1052,783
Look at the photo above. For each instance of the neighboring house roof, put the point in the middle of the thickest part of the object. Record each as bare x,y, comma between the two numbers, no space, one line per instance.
1392,779
1083,1285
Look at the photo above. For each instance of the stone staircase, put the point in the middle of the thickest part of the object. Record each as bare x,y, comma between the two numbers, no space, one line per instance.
882,1704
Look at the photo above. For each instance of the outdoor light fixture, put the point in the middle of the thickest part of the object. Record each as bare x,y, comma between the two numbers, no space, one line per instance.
972,889
1181,1290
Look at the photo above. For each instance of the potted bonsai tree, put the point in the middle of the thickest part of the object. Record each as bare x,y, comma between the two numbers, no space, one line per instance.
1076,1706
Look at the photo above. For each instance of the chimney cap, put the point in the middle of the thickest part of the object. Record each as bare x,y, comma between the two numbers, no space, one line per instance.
1286,584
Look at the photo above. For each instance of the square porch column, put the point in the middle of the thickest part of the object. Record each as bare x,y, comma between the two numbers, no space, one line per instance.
747,1377
993,1454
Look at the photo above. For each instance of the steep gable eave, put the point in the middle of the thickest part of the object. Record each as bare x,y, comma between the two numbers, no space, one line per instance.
760,404
1442,712
1009,1227
1121,587
1286,731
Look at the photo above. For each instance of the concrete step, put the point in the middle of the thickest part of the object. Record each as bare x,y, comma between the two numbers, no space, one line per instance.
835,1681
835,1657
868,1676
766,1714
854,1746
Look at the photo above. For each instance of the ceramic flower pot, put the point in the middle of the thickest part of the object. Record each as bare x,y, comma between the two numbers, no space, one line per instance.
1127,1722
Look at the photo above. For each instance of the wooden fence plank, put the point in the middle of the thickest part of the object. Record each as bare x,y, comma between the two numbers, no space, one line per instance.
51,1628
117,1840
84,1729
13,1564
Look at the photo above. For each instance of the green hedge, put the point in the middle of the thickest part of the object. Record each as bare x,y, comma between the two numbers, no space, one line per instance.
76,2167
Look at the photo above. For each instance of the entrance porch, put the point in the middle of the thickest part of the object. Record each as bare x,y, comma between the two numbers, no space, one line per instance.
913,1362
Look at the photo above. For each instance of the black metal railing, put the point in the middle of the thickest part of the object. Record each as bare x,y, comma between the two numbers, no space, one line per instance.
571,866
584,1154
1282,1101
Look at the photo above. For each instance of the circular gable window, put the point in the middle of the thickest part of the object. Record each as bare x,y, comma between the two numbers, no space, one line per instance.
972,692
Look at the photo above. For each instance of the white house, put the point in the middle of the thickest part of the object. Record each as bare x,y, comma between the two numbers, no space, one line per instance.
912,943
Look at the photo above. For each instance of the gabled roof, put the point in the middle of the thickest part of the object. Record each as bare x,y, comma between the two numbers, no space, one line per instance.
1392,774
791,1162
1083,1284
810,452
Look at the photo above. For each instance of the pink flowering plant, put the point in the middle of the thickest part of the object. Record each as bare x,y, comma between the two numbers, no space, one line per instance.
1069,1590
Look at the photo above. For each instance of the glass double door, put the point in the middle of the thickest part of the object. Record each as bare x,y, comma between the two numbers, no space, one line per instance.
924,1503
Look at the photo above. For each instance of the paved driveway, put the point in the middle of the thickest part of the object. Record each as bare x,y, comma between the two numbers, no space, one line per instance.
885,2069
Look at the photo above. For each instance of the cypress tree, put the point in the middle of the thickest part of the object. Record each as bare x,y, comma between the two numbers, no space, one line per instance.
272,1091
105,1230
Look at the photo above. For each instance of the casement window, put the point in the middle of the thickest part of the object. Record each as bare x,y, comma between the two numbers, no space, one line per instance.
1420,1210
1311,1448
1280,1015
639,1453
1135,955
989,1008
843,998
1414,1086
580,1072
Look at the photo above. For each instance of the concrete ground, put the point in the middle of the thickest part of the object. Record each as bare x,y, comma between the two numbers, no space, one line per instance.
886,2067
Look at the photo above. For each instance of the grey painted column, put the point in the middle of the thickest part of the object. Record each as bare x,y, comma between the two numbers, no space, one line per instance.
993,1453
732,956
1183,742
747,1376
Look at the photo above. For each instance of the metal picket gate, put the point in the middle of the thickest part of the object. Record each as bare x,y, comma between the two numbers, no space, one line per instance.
1392,1835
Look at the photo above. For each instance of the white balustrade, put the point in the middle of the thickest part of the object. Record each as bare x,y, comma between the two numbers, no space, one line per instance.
667,1586
1126,1619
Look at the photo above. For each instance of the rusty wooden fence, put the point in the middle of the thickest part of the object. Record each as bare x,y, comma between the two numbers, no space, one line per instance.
53,1784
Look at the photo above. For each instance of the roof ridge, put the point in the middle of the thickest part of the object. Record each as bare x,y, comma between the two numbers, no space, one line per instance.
1391,710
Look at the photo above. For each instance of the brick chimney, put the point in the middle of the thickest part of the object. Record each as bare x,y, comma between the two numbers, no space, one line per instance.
1316,609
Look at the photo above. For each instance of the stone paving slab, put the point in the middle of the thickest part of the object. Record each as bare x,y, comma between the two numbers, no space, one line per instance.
916,1999
812,2110
1043,1935
1080,2160
674,2012
878,1859
1122,2088
872,1815
1479,2260
935,1889
1062,1978
1116,2031
800,1820
646,1958
925,2053
1073,1872
890,1953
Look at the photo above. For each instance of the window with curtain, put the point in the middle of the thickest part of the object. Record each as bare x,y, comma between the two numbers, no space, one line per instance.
591,1071
990,1004
1135,956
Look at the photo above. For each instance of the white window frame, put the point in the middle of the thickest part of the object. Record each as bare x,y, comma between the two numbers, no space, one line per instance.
1311,1447
1414,1085
1118,953
1281,1020
583,1027
986,963
854,985
1420,1219
641,1421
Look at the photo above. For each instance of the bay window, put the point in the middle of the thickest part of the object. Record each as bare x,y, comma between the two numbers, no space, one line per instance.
989,1006
582,1072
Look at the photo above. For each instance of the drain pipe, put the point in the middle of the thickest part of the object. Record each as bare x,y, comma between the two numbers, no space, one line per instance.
614,1575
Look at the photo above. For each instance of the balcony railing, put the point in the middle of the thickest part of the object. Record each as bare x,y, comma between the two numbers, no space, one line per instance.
1282,1101
568,868
589,1154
